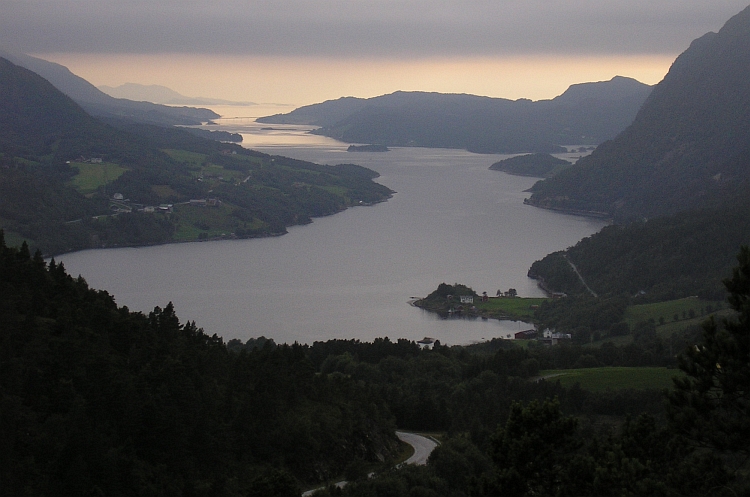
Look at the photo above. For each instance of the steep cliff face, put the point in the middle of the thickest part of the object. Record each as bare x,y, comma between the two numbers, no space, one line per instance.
689,146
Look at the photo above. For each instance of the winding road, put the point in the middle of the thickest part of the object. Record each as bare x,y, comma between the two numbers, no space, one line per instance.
575,269
423,447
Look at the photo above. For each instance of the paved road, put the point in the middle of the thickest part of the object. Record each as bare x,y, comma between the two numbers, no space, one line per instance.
423,447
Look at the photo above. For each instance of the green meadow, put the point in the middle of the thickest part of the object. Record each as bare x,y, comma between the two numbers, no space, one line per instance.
210,222
613,378
515,307
671,311
92,176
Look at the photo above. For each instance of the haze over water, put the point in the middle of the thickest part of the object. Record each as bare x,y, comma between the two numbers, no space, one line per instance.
352,274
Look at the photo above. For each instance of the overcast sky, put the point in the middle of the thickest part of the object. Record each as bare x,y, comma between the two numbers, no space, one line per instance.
402,32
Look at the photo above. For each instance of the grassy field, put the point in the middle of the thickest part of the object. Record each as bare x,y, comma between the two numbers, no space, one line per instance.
91,176
613,378
164,191
212,221
194,159
336,190
665,312
690,313
517,307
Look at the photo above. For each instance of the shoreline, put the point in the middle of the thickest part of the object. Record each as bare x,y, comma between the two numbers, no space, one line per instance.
573,212
442,309
230,236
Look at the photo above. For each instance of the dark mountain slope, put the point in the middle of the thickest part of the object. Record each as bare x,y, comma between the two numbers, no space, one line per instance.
688,146
585,114
69,181
99,104
678,256
37,119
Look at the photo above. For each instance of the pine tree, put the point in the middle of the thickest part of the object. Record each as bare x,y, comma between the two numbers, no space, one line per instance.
711,404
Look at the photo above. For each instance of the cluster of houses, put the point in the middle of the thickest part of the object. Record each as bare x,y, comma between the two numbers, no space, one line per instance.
549,337
90,160
118,203
204,202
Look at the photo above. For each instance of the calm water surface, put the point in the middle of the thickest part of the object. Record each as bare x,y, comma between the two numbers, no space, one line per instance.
352,275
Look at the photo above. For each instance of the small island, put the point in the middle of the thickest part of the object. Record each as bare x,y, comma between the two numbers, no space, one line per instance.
220,136
535,165
462,301
367,148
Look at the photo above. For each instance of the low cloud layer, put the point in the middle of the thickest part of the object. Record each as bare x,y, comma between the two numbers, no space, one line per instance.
361,28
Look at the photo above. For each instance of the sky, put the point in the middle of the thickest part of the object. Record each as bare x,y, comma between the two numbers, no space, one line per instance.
305,51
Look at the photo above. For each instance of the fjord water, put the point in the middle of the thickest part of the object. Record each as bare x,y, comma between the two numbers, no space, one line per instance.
351,275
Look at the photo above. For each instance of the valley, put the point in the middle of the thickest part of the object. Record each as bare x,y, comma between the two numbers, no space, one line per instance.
584,331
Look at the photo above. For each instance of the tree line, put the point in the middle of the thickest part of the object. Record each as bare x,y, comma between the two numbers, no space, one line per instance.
98,399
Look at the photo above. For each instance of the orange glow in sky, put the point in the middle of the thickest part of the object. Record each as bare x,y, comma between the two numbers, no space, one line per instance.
302,81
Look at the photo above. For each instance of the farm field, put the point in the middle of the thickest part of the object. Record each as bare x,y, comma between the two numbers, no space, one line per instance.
671,311
91,176
613,378
515,307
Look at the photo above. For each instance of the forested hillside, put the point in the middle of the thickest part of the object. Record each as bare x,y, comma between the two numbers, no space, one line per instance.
69,181
588,113
675,183
95,399
659,259
98,400
689,146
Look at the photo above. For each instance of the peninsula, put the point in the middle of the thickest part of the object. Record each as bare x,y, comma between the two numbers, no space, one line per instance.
462,301
70,181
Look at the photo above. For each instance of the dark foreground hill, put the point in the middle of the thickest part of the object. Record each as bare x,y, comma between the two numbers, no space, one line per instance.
98,400
689,146
585,114
98,103
69,181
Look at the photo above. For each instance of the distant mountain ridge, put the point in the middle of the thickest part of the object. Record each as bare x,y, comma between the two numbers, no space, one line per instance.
37,119
588,113
159,94
69,181
688,147
99,104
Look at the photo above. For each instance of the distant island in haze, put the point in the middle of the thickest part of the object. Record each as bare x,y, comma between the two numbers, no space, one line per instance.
367,148
535,165
159,94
